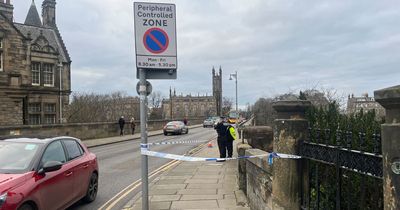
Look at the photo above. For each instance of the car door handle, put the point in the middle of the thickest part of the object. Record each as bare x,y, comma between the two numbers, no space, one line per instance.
68,173
85,165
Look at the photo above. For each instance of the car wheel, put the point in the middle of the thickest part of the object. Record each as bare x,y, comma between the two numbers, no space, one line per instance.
165,134
92,189
26,207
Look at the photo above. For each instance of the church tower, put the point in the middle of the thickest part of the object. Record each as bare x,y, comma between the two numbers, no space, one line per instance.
217,90
49,13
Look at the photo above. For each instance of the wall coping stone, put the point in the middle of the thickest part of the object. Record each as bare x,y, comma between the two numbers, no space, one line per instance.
291,109
389,98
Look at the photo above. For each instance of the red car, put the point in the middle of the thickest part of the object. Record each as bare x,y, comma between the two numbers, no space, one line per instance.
46,173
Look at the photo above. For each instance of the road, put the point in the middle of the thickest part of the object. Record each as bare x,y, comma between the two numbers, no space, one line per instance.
119,165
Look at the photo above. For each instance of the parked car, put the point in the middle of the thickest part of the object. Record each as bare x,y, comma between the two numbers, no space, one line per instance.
208,123
175,127
46,173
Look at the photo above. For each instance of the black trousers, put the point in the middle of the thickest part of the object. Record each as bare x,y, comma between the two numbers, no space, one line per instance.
223,146
121,131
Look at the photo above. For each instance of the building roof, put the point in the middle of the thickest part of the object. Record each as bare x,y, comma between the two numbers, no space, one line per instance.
50,34
33,18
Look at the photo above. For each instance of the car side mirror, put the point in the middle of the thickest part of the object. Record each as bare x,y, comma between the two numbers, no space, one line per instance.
50,166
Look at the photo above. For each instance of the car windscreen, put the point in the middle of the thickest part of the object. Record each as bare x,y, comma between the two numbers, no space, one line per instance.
16,157
175,123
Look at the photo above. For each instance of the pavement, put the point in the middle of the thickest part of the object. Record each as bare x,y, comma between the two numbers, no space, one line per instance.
196,185
189,185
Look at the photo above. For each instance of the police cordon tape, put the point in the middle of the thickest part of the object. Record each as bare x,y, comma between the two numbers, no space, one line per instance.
145,151
176,142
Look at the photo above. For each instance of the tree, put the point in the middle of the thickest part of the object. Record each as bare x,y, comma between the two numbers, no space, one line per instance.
155,99
94,107
226,105
263,111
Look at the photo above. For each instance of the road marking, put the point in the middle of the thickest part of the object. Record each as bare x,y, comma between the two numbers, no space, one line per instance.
134,185
123,193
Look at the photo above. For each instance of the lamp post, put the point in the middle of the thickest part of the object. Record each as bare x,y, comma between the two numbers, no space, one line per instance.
235,75
60,65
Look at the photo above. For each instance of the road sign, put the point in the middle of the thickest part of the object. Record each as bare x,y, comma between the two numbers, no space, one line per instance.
148,88
155,39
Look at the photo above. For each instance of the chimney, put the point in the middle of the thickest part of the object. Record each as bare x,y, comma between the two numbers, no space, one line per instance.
7,9
49,13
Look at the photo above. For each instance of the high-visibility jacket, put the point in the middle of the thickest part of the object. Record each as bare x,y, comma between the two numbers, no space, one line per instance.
231,133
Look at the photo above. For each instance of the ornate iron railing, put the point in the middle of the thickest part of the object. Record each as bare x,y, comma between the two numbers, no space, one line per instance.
338,152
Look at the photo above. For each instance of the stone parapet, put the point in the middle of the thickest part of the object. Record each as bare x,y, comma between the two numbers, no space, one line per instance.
242,177
259,181
82,130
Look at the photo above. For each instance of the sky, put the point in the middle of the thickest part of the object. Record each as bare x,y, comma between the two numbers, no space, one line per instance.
276,46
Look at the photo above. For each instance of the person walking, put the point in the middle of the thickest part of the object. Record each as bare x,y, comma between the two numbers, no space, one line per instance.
221,128
121,123
133,125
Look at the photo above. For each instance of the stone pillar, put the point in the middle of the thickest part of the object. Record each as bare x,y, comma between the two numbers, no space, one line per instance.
290,130
389,98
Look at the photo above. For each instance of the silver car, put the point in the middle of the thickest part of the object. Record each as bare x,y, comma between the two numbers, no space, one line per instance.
175,127
208,123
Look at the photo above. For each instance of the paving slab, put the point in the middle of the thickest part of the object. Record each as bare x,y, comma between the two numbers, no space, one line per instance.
160,198
171,181
200,197
204,186
226,203
152,206
201,181
197,192
170,186
194,204
163,192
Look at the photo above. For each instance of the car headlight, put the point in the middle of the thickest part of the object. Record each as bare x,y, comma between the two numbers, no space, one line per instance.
3,199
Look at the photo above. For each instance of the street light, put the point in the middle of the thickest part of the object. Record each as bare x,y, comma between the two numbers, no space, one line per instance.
231,76
60,65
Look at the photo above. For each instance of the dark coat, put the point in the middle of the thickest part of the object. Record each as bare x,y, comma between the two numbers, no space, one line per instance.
121,122
221,130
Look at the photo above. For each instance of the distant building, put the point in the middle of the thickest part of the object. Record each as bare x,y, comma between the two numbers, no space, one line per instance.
179,106
365,103
35,67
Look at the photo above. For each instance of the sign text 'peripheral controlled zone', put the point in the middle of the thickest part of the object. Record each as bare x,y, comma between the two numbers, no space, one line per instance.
155,35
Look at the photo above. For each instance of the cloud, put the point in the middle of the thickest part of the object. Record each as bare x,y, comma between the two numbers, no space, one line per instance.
275,45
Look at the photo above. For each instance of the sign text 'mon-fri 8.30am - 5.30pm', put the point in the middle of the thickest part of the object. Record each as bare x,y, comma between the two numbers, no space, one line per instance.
155,35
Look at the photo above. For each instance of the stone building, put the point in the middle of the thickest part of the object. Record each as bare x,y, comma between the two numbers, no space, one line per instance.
365,103
35,67
189,106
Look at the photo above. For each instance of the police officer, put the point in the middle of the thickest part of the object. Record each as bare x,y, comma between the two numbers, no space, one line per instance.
221,128
230,137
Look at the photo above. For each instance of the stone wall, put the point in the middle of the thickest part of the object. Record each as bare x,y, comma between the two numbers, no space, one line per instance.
82,130
259,181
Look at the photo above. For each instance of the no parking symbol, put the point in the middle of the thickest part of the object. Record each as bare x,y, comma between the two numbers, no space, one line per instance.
156,40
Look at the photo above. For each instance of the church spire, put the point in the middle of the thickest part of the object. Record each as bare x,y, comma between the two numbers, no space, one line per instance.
33,18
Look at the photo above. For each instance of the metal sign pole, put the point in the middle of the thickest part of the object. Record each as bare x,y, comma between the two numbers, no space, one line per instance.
143,132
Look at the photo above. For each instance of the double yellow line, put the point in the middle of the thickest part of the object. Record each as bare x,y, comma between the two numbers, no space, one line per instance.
121,195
